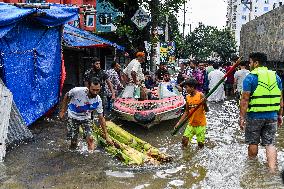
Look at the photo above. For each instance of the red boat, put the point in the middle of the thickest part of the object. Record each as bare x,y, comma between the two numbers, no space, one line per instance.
165,103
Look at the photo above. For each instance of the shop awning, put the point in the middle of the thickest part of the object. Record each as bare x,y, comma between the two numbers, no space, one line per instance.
77,37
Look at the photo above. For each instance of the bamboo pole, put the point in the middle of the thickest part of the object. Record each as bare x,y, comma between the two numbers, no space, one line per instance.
205,98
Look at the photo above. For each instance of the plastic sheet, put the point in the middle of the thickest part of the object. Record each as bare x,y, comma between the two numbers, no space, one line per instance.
80,38
31,56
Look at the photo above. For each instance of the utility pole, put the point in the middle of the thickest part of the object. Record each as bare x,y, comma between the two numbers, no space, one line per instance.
248,4
183,27
154,8
167,29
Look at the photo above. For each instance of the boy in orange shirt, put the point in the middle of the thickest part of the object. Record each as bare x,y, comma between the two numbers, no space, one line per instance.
197,122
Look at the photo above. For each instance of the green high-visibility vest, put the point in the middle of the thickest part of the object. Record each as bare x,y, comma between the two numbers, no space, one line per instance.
267,95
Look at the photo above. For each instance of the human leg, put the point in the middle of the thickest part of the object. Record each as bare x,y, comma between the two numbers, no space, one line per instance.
73,132
252,136
252,151
271,155
187,136
268,140
200,135
87,129
184,141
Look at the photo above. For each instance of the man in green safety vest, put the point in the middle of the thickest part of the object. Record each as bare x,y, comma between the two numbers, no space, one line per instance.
261,108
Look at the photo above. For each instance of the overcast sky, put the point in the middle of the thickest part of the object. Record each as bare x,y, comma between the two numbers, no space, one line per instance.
209,12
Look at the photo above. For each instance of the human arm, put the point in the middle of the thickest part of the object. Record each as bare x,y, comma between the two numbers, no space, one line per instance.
235,82
134,77
280,112
64,104
244,102
183,117
104,129
110,86
205,106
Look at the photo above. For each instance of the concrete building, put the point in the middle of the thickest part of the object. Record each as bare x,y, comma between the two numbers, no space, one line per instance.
87,19
240,12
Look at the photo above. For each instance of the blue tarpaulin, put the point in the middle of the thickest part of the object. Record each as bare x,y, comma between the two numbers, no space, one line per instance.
30,55
76,37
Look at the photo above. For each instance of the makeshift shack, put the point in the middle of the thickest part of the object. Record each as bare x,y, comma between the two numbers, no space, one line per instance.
30,55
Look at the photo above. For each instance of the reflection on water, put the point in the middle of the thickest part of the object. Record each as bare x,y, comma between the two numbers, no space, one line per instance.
47,162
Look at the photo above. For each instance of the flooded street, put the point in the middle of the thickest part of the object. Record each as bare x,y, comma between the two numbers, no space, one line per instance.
47,163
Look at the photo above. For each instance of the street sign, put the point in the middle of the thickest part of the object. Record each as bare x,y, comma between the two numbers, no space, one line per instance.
141,18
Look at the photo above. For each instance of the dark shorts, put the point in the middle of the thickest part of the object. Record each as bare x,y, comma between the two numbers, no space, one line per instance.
260,129
229,86
73,126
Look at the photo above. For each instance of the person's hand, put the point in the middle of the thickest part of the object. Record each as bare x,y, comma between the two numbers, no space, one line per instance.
176,126
242,124
279,120
61,114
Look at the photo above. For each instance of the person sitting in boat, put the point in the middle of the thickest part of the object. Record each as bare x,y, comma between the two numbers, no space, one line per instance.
135,75
149,80
160,73
81,101
197,121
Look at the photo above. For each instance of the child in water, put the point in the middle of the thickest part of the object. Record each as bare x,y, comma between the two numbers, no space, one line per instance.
197,122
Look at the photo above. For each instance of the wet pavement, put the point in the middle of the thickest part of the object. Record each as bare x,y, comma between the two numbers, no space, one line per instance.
47,163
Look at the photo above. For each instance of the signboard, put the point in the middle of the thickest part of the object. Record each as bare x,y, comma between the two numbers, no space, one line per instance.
106,14
167,52
140,18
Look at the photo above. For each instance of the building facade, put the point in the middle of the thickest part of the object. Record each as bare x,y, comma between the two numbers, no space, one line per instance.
87,11
240,12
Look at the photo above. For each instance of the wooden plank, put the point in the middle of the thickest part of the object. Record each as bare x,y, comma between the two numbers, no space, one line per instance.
6,103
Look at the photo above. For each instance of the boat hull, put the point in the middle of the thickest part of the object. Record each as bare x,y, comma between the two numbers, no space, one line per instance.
163,116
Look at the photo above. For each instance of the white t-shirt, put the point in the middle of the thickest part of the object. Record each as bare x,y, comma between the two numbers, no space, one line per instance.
240,76
135,66
81,106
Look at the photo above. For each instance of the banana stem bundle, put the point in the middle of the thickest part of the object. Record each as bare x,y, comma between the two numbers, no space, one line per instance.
130,149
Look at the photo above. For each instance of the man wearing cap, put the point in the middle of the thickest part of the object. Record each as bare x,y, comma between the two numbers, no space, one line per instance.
134,73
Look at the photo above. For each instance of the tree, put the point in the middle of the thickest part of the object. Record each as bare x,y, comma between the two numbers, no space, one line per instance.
134,38
206,40
224,44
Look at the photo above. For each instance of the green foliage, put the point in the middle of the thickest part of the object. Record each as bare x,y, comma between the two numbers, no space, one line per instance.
206,40
124,30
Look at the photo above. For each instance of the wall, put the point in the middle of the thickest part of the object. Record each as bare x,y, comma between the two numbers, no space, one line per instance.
264,34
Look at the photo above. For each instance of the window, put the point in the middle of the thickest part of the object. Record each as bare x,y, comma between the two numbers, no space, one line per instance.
265,9
244,17
266,1
89,21
105,18
255,9
235,8
244,9
234,18
234,26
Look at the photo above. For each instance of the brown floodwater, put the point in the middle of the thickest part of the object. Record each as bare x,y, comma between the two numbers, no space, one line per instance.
46,162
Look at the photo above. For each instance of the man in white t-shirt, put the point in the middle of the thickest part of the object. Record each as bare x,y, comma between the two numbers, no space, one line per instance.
81,101
134,73
239,77
134,70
